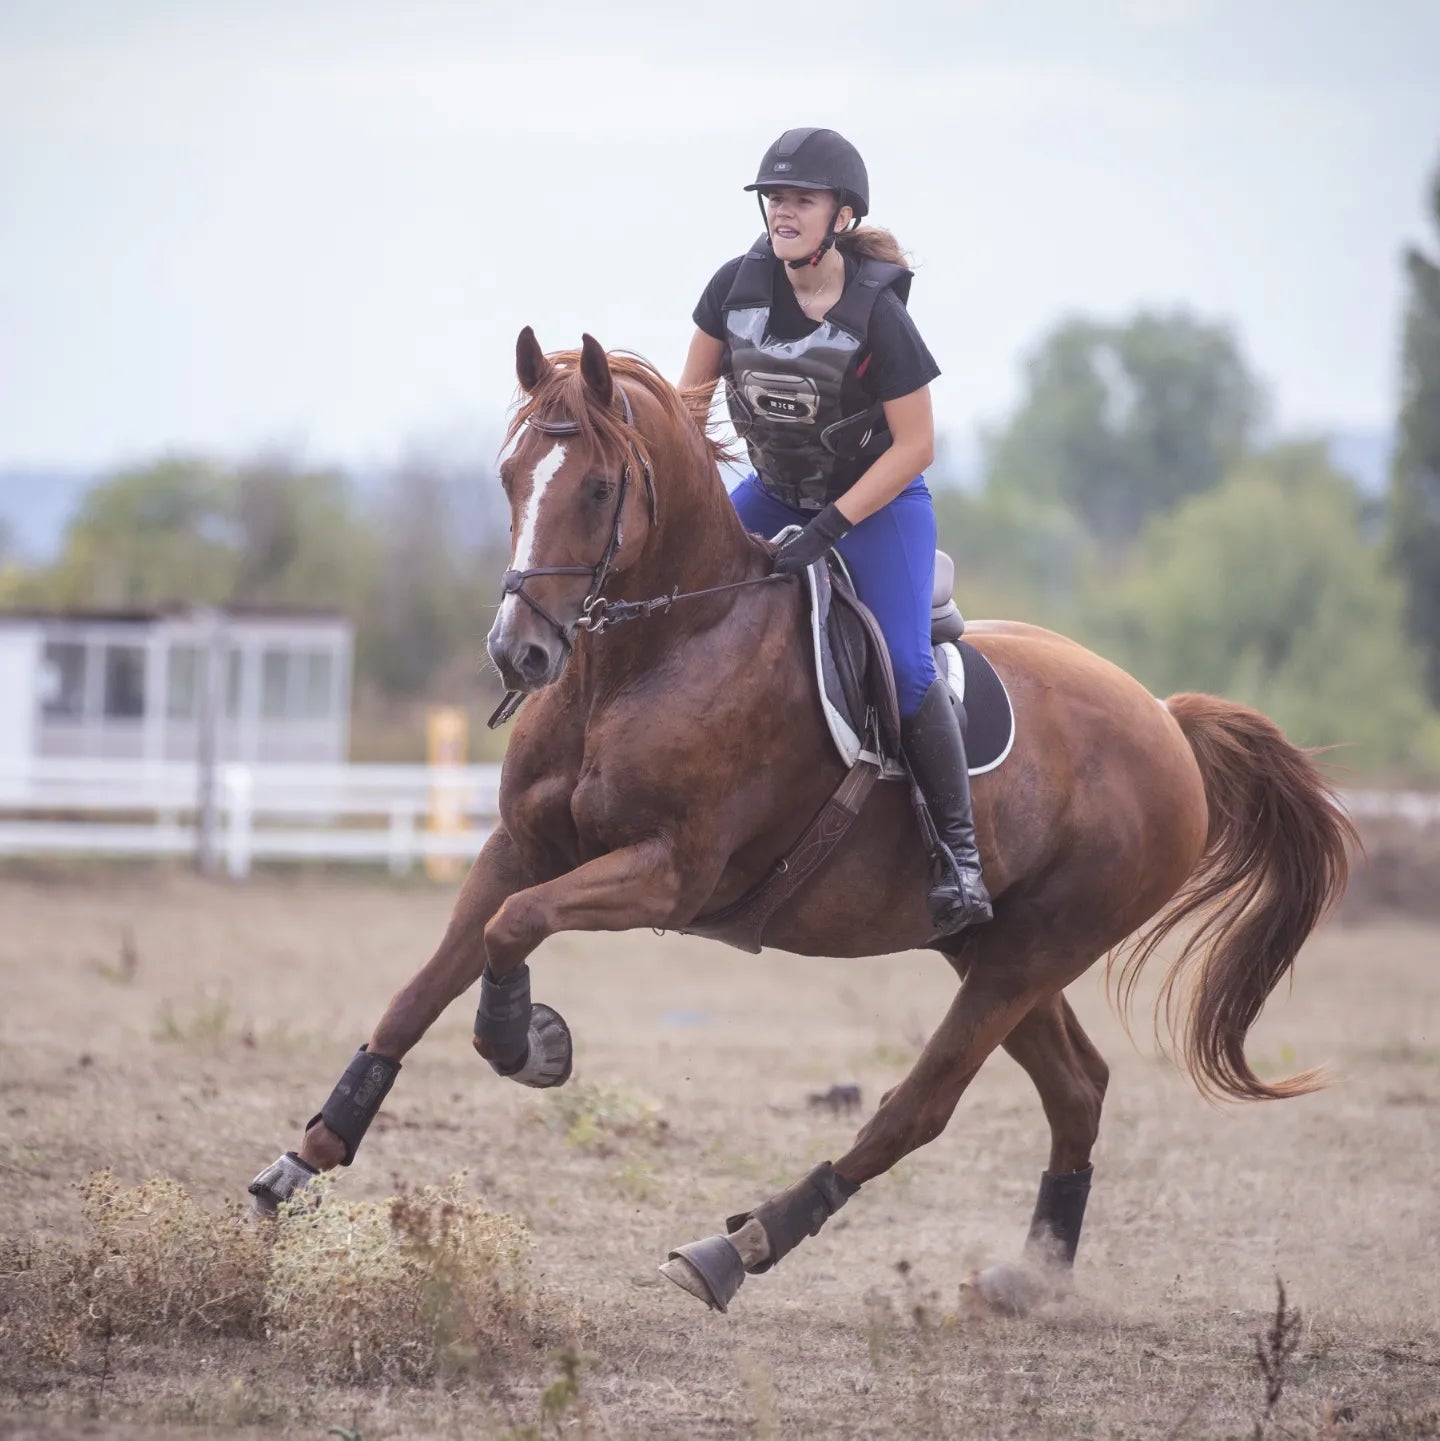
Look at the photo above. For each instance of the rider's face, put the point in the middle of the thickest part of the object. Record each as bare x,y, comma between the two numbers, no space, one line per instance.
798,220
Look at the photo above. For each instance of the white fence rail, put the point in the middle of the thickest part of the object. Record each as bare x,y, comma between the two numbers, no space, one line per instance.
271,812
1420,808
376,814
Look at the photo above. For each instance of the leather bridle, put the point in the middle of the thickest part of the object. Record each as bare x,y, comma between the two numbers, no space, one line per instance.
593,609
597,614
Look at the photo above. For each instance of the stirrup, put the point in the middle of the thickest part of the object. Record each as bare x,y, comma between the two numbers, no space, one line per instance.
958,897
953,910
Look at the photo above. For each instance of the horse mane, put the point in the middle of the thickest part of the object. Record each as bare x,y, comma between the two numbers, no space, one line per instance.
564,394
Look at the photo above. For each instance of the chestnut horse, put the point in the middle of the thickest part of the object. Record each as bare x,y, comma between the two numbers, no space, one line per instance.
657,772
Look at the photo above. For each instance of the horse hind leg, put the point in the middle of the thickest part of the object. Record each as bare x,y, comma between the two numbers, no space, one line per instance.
1070,1076
992,999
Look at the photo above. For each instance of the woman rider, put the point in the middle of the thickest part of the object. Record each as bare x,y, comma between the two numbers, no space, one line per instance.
828,384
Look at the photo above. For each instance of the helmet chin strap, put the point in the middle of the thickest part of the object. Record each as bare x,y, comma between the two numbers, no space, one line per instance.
819,255
809,260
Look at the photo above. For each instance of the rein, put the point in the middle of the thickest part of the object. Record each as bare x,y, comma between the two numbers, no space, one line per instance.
601,614
598,613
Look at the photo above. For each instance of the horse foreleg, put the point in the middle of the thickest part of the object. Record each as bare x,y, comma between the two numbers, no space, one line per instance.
334,1134
637,885
989,1004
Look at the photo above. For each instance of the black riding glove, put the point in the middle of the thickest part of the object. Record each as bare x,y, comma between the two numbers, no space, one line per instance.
806,548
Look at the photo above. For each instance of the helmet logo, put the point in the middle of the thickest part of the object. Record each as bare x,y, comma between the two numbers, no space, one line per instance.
780,165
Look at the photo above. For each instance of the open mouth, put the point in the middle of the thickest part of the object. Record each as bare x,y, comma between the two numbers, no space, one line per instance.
786,232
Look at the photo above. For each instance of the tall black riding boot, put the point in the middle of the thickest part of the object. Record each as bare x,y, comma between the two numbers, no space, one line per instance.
935,752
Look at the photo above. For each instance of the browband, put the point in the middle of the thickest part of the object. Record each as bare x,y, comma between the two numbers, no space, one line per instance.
572,427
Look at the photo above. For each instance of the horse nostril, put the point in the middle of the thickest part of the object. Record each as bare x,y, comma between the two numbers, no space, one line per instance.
533,661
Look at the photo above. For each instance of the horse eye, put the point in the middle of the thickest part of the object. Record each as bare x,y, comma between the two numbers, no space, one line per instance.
601,487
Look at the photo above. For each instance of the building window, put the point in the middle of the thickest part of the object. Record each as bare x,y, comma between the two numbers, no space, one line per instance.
297,685
274,678
317,684
62,679
182,682
124,681
186,681
235,684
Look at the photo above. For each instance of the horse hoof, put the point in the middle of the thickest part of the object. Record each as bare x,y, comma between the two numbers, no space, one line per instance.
710,1270
549,1053
1005,1289
278,1182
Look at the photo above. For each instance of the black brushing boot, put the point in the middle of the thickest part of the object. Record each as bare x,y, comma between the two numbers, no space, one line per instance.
935,752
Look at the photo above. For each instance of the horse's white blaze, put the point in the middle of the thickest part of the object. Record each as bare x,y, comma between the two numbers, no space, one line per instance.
544,472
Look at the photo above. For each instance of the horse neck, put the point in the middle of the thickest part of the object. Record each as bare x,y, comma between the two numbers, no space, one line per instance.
697,543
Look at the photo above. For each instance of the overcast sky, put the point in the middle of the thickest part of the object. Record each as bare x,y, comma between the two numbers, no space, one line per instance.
228,225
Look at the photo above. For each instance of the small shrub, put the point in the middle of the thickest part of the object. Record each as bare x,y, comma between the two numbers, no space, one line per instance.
403,1289
563,1408
636,1181
398,1290
1274,1349
150,1261
889,1054
209,1022
593,1117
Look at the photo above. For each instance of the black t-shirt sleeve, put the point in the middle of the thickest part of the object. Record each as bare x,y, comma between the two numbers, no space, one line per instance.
709,313
900,362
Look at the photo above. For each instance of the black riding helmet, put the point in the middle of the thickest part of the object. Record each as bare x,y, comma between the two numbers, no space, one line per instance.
814,159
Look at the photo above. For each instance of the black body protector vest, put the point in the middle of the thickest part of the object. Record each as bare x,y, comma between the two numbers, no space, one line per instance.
811,429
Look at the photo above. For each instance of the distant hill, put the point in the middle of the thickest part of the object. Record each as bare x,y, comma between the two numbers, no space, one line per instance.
36,506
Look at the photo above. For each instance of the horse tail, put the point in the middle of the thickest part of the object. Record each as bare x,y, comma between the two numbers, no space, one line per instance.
1275,861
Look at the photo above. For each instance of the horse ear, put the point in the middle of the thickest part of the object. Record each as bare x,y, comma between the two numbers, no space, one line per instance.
531,367
595,369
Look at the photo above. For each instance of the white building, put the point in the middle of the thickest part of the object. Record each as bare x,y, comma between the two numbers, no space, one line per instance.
131,685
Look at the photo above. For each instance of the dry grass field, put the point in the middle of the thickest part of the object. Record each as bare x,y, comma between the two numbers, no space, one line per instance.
160,1026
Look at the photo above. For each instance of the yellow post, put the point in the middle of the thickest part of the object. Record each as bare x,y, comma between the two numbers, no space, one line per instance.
447,735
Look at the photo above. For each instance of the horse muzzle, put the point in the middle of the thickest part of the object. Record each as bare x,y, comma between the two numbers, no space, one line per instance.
527,664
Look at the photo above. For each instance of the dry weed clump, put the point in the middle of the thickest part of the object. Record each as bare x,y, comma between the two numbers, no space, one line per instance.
209,1021
151,1262
399,1290
419,1285
593,1117
1274,1350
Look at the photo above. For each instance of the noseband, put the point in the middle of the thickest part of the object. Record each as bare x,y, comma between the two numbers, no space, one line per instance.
592,615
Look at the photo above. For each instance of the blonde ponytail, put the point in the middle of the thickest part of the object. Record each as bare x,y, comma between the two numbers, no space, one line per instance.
872,242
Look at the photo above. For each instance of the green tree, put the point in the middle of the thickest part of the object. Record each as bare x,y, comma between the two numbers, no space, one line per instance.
302,537
417,568
190,530
1265,591
1124,422
1015,556
150,534
442,552
1415,479
15,580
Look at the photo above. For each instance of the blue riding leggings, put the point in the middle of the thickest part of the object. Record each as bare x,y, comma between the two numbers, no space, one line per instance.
891,558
